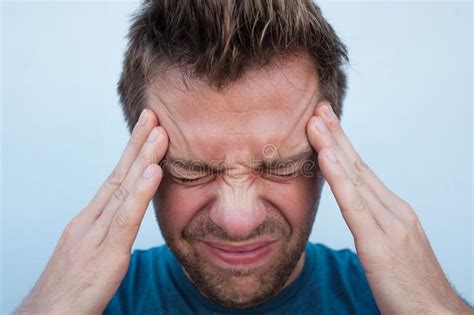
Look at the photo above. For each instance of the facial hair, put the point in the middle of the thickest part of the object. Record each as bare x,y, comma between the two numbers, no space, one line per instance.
239,287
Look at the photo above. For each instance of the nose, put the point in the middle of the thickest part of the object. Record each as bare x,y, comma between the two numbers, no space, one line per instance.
238,210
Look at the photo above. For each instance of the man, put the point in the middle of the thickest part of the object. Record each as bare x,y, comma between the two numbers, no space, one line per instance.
234,109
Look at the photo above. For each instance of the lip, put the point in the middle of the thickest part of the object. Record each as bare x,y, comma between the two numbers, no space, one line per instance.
239,255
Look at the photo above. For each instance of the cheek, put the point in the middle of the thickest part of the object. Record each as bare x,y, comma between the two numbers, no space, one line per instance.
177,205
294,199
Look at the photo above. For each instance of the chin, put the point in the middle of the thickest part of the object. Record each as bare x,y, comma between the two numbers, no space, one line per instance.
240,287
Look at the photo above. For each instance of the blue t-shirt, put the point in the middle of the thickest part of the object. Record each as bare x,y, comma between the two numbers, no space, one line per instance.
331,282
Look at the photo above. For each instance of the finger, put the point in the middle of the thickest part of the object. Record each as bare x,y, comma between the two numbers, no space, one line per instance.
126,221
140,132
87,216
385,219
330,119
152,152
354,208
390,200
320,138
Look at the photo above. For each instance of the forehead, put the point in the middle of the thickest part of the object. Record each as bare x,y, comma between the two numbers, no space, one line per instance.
267,106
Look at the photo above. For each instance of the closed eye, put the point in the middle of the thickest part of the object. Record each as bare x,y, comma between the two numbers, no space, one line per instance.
286,175
276,175
187,180
194,181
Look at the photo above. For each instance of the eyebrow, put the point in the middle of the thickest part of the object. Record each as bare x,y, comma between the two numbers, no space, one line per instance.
201,166
286,161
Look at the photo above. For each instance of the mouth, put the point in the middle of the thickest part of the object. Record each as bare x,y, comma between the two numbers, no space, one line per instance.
245,255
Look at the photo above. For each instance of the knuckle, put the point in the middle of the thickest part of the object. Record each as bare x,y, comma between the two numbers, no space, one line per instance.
405,207
339,173
403,234
412,219
335,127
346,179
115,178
142,163
360,166
355,179
70,230
125,219
359,204
120,193
121,219
409,214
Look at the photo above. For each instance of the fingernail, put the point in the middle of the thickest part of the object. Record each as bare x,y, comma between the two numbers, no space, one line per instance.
150,170
329,113
153,135
331,156
143,118
318,122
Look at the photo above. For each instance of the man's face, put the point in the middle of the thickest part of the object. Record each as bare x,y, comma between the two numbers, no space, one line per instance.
241,184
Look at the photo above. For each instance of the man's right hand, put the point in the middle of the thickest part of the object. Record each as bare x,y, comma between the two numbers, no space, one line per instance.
93,253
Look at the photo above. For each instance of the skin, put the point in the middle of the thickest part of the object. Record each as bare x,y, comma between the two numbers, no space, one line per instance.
236,128
93,253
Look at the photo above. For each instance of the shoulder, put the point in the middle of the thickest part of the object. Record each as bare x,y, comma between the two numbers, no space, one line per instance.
148,270
147,257
150,261
337,266
342,276
330,258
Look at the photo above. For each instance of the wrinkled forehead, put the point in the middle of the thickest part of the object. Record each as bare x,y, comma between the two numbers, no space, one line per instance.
267,106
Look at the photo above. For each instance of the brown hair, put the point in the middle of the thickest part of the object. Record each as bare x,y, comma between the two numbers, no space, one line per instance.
218,40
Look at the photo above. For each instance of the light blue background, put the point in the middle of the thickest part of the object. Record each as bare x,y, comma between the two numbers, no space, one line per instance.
408,112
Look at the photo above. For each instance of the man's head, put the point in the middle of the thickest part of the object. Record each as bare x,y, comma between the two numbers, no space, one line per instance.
234,84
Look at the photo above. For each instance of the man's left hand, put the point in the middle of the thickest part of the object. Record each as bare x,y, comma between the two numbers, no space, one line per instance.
399,263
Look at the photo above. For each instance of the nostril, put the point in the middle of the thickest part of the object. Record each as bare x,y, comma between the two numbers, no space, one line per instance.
237,222
237,209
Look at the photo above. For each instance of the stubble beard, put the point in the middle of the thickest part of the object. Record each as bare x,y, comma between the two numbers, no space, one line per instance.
239,287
